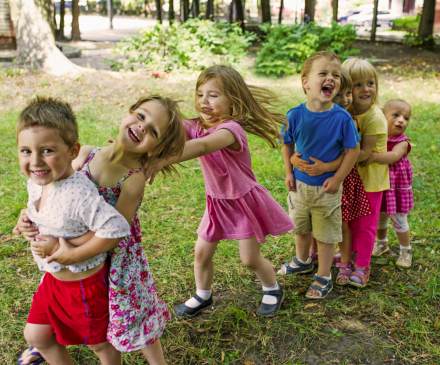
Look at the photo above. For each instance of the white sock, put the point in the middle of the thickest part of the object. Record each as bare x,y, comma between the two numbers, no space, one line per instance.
193,302
308,261
382,242
405,247
269,299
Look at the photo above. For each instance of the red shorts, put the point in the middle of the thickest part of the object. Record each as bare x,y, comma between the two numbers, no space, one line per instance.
77,310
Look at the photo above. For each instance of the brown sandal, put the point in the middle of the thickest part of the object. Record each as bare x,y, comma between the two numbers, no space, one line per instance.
362,277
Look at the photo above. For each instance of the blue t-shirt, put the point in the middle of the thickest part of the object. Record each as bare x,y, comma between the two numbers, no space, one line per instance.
320,135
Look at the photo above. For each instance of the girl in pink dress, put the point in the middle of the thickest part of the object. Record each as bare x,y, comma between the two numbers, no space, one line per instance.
398,201
237,207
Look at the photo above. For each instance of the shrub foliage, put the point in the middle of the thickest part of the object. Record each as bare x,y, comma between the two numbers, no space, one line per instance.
286,47
193,45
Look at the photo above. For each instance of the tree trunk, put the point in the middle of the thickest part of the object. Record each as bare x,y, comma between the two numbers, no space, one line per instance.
184,10
171,15
240,13
426,26
280,15
335,10
50,11
145,9
76,35
159,15
60,32
35,41
209,10
374,23
110,12
265,11
309,11
196,8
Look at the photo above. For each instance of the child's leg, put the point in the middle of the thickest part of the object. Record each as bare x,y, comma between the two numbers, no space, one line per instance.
154,354
400,225
42,337
251,257
302,243
326,251
381,244
345,266
106,353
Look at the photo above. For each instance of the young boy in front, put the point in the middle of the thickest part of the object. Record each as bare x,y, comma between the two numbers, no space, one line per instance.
319,129
70,306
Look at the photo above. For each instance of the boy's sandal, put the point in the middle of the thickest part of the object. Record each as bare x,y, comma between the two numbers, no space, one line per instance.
322,290
269,310
301,268
30,352
183,311
345,271
362,277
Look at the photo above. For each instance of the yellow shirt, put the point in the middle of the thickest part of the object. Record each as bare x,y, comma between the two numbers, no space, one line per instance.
376,177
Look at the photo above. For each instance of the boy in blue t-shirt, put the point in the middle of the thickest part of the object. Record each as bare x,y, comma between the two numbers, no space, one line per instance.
320,129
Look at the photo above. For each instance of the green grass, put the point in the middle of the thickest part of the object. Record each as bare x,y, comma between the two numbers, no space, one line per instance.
394,318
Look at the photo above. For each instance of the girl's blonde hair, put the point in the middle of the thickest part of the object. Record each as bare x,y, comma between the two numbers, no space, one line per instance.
361,69
174,139
251,105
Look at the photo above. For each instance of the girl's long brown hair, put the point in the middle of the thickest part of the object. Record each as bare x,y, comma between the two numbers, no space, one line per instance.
251,105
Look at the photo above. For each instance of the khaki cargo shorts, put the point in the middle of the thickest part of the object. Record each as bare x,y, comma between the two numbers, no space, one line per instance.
313,210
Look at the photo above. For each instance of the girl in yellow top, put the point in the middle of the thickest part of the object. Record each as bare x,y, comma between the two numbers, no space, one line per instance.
375,177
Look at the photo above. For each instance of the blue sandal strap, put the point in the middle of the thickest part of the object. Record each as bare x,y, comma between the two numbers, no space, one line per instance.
196,297
321,280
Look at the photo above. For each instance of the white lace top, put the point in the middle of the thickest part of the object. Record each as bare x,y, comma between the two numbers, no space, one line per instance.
74,207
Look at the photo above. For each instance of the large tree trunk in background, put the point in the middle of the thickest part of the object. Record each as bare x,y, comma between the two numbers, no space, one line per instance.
374,23
265,11
50,11
209,10
184,10
76,35
309,11
240,13
335,10
280,15
35,41
171,15
196,8
426,26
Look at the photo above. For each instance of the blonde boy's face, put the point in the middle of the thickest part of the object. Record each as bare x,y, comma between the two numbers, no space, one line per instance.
397,114
344,98
43,155
323,81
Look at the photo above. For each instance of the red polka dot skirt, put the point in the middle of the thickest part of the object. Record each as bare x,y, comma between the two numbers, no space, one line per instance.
354,199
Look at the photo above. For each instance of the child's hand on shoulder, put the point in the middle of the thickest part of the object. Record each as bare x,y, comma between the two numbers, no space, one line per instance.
332,185
152,167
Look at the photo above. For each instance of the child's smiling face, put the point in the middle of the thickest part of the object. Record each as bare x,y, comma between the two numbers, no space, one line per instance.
397,114
142,130
344,98
323,81
43,155
364,94
211,99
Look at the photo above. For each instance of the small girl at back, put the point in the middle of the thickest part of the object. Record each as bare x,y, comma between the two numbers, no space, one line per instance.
398,201
237,207
152,127
375,177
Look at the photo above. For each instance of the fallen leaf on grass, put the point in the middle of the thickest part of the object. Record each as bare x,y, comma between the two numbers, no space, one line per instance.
393,330
436,323
226,339
223,356
310,305
247,362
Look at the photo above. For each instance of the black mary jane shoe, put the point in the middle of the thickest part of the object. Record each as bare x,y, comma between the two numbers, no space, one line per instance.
183,311
270,310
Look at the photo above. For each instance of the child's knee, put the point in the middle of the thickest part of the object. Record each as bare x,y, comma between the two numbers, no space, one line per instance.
202,256
104,346
250,262
39,336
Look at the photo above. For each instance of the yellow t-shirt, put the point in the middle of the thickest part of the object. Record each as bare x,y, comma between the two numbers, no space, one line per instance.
375,177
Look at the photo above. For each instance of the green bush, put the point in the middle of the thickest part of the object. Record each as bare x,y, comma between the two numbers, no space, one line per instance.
286,47
193,45
409,23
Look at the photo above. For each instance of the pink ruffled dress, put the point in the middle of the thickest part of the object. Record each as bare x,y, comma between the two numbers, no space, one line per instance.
237,207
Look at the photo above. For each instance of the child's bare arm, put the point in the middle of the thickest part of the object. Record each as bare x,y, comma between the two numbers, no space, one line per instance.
48,245
288,151
332,184
318,168
390,157
79,162
367,146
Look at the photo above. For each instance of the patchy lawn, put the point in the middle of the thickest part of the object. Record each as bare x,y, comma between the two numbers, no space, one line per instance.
395,319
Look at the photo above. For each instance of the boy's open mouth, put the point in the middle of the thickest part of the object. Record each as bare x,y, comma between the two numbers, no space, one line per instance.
327,90
132,133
